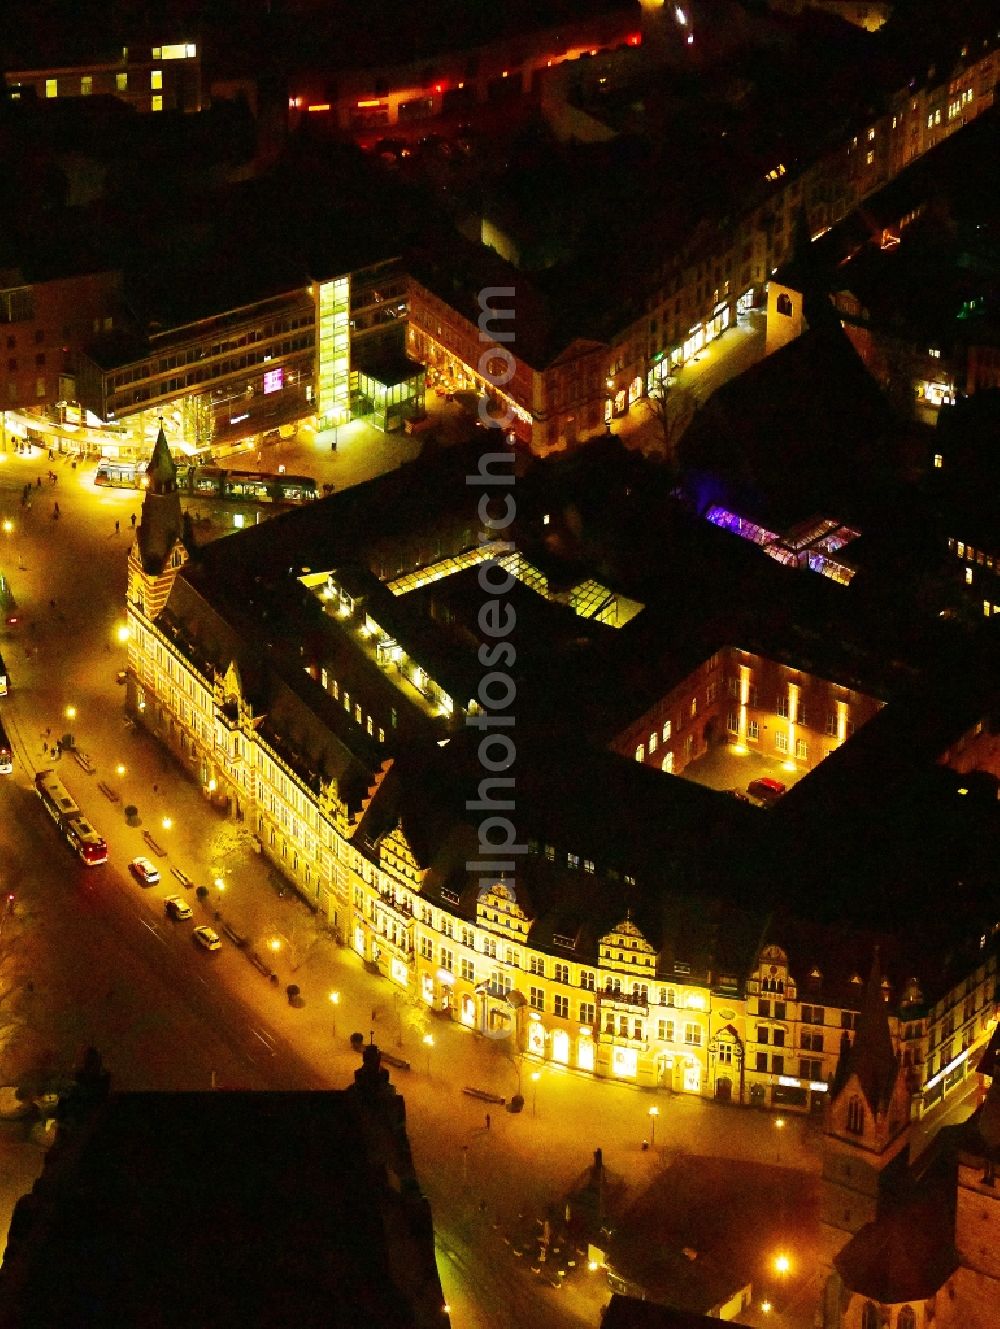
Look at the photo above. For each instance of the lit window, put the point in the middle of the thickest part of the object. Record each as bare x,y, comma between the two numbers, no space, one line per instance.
968,576
667,764
121,82
156,79
871,136
667,729
869,158
156,103
654,739
640,752
52,87
86,85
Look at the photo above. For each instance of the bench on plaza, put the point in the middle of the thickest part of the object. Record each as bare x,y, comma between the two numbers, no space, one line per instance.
484,1095
237,938
83,760
156,847
108,792
182,877
400,1063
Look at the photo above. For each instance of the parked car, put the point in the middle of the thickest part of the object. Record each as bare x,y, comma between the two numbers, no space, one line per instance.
765,790
176,908
208,937
145,872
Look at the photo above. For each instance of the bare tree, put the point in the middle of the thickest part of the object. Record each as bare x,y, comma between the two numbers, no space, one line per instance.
672,408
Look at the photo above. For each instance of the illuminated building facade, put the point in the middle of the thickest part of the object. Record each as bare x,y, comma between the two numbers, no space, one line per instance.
44,326
755,704
244,370
323,735
370,100
147,78
705,285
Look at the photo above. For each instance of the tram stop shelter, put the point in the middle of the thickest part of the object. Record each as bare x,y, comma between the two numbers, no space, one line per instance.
389,392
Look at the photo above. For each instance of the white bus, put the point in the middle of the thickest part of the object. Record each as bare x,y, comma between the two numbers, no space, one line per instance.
77,830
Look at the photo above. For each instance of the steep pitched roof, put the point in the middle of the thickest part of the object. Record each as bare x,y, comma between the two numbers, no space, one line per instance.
904,1256
161,523
871,1057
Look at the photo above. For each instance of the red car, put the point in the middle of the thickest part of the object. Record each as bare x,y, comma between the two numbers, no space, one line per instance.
765,790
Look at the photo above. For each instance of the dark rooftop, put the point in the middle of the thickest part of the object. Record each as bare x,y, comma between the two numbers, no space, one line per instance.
151,1215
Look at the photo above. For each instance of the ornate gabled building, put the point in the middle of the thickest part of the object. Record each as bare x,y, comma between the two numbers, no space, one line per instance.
636,933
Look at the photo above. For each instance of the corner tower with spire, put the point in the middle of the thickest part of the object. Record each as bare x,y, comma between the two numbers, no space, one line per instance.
866,1143
159,550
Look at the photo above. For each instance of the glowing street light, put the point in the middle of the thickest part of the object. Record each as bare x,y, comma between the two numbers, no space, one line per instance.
654,1112
335,1002
428,1041
535,1077
8,526
779,1126
70,712
120,769
275,944
765,1306
123,633
782,1264
167,823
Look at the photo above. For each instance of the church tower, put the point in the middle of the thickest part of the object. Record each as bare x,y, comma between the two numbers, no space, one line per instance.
159,550
977,1210
866,1142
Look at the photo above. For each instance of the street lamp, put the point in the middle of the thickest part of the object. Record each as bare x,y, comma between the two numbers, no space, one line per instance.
428,1041
70,712
535,1077
275,944
335,1002
8,526
779,1126
782,1264
654,1112
123,633
167,823
120,769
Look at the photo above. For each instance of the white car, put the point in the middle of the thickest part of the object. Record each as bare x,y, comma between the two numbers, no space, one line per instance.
145,872
176,908
208,937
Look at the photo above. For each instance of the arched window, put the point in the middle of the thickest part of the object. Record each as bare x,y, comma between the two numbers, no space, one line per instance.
856,1124
870,1318
784,304
906,1318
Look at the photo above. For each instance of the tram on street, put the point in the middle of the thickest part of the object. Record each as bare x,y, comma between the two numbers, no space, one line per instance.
75,828
8,605
6,753
213,482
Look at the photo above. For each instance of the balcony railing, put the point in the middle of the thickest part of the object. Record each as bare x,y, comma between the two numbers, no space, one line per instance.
632,1001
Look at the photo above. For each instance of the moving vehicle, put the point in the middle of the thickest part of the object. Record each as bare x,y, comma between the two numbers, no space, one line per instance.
144,870
208,937
213,482
765,790
4,680
75,828
6,753
8,605
176,908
